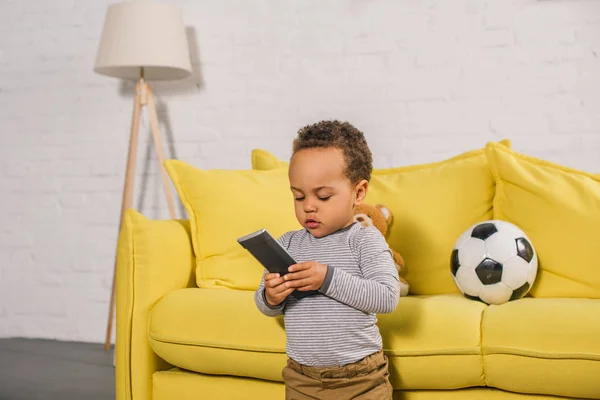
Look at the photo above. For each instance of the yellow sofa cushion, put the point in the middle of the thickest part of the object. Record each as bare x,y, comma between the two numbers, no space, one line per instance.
413,341
432,204
264,160
218,332
224,205
559,209
545,346
221,332
184,385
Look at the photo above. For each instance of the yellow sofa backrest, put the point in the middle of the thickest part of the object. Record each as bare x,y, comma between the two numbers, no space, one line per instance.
432,204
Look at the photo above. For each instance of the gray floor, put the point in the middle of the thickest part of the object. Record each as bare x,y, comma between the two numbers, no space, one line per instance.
50,370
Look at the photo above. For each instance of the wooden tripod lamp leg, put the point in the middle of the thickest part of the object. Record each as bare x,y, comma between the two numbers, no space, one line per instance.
159,151
127,196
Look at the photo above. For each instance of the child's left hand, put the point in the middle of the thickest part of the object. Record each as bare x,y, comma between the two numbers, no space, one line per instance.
307,275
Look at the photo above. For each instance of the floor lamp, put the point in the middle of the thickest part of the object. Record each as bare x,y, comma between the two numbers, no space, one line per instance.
142,41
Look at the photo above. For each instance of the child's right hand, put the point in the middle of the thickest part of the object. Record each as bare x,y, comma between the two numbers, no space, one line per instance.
276,289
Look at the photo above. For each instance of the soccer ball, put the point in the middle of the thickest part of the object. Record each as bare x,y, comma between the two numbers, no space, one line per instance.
494,261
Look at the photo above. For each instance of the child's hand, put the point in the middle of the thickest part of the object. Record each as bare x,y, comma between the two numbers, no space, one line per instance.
306,275
275,289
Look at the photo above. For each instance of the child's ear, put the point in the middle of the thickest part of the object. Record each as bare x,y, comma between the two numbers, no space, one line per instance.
360,190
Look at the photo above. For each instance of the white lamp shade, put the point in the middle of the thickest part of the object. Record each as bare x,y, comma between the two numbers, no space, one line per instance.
139,34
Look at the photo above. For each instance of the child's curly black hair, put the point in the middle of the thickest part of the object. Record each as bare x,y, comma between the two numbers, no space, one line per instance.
341,135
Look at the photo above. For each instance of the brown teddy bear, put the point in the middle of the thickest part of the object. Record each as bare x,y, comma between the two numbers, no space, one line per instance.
380,217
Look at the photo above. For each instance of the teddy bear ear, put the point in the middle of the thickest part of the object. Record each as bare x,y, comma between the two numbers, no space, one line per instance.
385,211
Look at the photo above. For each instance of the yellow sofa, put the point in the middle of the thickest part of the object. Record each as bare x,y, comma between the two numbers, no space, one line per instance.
187,326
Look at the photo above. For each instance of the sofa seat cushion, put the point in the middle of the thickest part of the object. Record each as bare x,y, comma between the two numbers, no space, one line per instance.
433,342
220,331
544,345
184,385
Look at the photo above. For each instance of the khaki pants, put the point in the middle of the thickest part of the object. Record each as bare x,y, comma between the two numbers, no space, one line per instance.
365,379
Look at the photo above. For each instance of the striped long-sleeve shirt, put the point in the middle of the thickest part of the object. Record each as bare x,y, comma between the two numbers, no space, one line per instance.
337,326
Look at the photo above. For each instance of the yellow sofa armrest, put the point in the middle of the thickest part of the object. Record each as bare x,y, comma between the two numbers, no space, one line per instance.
154,258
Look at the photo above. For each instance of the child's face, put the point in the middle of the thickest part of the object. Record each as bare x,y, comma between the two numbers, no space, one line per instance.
324,198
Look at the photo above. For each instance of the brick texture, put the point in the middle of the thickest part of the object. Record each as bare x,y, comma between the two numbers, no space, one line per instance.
425,80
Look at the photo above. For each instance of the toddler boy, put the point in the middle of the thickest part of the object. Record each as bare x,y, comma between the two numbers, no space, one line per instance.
333,344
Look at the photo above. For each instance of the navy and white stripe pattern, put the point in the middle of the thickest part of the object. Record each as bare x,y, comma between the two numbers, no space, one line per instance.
338,327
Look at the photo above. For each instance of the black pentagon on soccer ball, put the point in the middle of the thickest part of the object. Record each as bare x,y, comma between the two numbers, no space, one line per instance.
484,231
524,249
454,262
489,271
520,292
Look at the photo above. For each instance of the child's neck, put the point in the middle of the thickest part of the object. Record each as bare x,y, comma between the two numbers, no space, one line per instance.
342,229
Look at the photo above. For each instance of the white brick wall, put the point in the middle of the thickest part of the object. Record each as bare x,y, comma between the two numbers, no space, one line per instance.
425,80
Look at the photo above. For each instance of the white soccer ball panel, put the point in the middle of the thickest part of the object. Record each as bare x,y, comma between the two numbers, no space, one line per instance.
463,238
468,281
497,293
471,253
501,246
510,228
515,272
533,267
